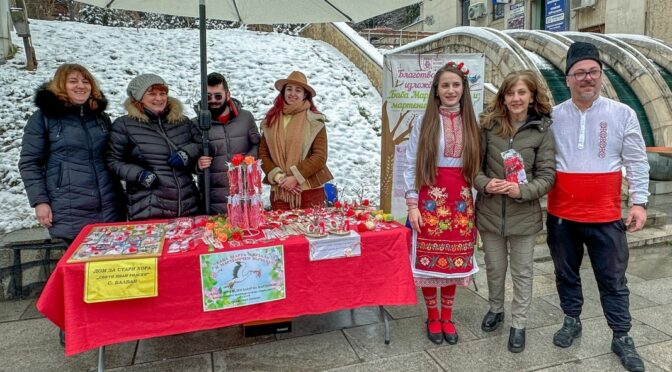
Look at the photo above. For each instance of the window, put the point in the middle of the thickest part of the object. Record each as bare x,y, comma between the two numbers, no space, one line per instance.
497,11
465,12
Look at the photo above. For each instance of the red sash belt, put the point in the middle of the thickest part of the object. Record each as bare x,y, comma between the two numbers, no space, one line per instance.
586,197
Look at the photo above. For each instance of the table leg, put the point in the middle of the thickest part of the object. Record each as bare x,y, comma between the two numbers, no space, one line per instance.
101,359
386,325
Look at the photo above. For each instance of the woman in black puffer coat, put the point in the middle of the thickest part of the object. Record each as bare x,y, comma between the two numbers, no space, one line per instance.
63,151
152,148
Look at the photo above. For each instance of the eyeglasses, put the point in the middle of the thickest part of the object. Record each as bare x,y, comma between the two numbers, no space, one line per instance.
217,96
582,75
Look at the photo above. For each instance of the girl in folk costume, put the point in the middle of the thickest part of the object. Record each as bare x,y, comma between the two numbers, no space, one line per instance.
293,148
443,160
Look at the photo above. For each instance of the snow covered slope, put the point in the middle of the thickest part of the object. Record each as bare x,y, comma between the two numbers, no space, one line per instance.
251,61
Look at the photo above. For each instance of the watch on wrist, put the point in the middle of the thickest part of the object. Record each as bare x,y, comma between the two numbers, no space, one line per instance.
643,205
413,194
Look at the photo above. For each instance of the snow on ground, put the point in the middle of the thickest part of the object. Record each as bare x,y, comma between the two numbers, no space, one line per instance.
251,61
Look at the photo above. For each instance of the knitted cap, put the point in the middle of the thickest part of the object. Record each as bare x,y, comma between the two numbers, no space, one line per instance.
139,85
579,51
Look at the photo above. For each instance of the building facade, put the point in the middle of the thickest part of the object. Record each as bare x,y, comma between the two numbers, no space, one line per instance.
643,17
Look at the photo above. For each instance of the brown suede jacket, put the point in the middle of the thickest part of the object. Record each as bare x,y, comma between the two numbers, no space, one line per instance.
312,171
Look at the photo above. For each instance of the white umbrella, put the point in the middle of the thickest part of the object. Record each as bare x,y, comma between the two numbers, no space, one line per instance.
264,11
253,12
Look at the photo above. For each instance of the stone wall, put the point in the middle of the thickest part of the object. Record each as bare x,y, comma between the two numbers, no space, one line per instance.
588,17
616,23
330,34
445,14
659,21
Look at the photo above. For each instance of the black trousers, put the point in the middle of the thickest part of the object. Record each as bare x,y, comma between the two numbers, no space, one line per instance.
608,251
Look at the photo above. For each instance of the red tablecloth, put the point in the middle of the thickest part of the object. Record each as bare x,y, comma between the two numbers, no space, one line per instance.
380,276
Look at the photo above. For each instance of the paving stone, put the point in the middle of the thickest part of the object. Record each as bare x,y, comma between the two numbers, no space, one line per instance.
651,268
468,357
463,297
596,337
657,317
314,324
410,362
659,354
541,285
194,343
592,308
540,351
658,291
32,345
406,336
400,312
540,314
12,310
607,362
196,363
31,312
546,267
310,353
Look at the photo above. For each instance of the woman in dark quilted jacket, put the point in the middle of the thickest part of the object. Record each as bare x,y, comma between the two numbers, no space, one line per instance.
152,148
63,151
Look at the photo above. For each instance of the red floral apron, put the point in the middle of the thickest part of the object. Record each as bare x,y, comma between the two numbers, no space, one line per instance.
445,244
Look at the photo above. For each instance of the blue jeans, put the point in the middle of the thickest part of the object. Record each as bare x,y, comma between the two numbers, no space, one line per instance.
608,251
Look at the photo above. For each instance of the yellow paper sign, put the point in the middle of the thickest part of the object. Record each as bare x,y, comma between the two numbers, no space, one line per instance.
120,280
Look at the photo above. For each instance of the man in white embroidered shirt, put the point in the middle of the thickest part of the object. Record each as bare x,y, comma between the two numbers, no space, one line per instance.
595,137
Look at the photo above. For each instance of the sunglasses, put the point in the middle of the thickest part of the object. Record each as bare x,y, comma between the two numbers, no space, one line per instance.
217,96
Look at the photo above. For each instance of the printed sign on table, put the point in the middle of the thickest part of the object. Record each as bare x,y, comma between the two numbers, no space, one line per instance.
334,246
120,280
243,277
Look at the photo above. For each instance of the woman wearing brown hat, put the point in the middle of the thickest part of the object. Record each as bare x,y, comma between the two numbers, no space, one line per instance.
293,147
152,148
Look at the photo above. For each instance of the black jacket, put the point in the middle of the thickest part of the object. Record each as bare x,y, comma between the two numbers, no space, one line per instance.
239,135
136,144
62,163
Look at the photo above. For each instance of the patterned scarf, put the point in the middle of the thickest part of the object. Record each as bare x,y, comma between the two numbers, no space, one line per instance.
286,146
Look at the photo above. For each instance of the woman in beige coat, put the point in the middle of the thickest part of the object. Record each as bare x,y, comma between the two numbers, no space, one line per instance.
518,169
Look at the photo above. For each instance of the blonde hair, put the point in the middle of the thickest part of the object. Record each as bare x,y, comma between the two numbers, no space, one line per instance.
57,84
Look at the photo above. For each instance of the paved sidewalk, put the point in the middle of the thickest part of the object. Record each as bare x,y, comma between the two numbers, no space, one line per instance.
353,340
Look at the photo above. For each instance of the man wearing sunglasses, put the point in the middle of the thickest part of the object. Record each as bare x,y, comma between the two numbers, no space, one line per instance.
595,138
233,131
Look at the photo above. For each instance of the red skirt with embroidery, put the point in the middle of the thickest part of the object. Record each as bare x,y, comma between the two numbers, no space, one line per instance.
445,245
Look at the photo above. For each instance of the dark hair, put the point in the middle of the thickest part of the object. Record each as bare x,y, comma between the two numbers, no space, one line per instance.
428,143
215,78
279,102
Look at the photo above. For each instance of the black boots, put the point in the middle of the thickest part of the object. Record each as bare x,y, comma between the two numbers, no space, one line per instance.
571,329
516,340
624,347
491,321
